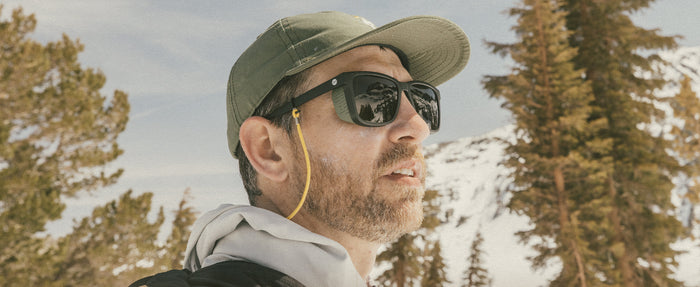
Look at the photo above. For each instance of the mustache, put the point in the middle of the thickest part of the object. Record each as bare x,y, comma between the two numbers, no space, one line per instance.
398,153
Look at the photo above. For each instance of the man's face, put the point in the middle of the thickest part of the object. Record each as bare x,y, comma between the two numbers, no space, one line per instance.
366,181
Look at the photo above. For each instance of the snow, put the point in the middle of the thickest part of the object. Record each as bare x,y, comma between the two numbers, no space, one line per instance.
683,61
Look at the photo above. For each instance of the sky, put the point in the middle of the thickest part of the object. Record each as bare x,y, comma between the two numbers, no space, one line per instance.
173,59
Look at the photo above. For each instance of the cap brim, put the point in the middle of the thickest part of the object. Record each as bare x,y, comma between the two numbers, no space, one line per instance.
436,48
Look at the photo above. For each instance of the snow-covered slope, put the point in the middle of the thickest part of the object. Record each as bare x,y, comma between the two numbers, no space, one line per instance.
469,169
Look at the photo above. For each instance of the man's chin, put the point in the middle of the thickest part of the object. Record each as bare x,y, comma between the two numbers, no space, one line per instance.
401,194
407,218
388,221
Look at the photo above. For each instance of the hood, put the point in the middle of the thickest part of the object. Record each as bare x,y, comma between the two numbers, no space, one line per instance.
248,233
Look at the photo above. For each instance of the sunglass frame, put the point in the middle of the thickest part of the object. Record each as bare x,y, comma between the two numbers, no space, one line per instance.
346,81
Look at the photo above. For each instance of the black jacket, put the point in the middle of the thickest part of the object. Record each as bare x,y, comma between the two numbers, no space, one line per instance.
223,274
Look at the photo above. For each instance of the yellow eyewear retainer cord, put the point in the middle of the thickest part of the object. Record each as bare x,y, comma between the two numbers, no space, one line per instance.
295,114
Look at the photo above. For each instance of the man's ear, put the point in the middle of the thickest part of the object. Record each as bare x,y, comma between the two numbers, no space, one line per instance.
264,144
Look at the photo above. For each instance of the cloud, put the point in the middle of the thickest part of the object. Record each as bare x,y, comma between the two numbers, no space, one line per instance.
143,48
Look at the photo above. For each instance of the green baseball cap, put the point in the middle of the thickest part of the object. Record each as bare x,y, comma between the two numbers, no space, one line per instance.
436,50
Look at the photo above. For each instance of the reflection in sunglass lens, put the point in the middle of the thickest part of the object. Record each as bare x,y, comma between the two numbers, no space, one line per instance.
425,102
376,99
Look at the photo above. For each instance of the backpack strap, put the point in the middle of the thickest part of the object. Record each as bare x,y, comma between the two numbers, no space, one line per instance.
227,273
174,278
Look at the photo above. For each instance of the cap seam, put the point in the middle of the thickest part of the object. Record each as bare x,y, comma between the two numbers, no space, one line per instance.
296,46
289,43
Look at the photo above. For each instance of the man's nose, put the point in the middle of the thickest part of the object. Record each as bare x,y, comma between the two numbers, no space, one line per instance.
409,126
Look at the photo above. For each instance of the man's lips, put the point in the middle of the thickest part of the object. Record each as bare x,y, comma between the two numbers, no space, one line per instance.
405,170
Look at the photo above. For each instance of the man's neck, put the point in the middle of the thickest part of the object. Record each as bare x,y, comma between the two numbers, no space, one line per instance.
363,253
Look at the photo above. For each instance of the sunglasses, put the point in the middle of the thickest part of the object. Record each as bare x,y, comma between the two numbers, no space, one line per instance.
372,99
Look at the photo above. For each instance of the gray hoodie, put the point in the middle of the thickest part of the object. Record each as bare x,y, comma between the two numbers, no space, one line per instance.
248,233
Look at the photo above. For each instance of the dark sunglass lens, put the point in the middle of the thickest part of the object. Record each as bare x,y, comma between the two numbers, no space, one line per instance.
425,101
376,99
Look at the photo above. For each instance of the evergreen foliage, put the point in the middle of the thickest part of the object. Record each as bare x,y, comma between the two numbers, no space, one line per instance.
114,246
686,107
115,237
403,254
550,103
616,57
172,254
366,112
57,134
411,252
587,174
476,275
434,270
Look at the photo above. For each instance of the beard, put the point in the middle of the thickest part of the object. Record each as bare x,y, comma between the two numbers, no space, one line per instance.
351,200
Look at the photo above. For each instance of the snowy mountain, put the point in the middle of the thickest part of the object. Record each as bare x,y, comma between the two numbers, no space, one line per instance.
469,169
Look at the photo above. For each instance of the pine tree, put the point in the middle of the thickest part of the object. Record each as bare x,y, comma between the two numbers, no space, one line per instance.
110,242
612,51
435,274
116,245
366,112
686,107
57,133
553,172
476,275
405,254
434,271
172,254
431,212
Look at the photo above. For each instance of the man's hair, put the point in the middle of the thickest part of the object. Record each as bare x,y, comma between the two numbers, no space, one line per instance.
283,92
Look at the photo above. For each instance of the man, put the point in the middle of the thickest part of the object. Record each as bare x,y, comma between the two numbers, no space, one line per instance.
326,114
